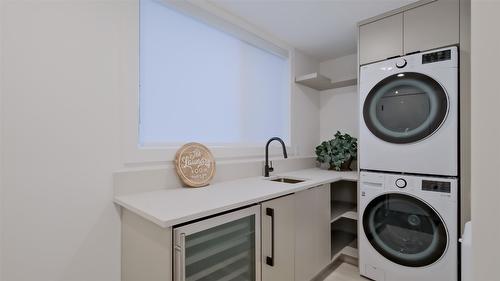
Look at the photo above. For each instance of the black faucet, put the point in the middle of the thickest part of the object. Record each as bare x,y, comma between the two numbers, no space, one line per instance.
268,169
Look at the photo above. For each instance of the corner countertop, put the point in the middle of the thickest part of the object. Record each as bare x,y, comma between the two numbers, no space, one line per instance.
169,207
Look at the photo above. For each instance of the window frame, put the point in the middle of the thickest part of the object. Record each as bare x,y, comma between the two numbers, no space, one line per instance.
132,151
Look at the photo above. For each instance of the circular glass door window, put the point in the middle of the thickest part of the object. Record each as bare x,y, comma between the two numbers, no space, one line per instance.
405,107
405,230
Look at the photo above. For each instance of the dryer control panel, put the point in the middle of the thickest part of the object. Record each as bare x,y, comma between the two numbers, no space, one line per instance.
436,56
437,186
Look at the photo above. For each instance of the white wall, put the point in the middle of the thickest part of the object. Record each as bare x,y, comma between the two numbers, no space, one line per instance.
60,139
339,108
1,130
61,136
305,108
339,69
485,139
465,108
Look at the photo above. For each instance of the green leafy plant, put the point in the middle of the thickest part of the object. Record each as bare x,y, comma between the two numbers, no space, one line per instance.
338,152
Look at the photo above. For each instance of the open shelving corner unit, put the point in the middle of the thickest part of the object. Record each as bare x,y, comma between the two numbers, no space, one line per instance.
344,221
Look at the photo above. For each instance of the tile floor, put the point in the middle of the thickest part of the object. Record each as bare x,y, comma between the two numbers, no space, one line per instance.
345,272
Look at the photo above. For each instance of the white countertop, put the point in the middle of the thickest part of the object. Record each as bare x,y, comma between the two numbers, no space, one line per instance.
168,207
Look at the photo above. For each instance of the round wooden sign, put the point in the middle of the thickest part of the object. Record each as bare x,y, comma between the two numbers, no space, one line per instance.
195,164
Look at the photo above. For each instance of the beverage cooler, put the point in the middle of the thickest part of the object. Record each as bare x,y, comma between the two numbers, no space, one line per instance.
225,247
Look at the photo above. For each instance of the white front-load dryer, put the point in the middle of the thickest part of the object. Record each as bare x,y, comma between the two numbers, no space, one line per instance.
408,227
409,114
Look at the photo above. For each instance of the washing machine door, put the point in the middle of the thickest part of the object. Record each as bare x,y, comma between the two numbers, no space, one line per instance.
405,107
405,230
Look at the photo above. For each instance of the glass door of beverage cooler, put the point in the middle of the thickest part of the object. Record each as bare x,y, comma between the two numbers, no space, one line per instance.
222,248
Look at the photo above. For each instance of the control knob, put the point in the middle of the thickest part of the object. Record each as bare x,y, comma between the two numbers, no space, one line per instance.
401,183
400,63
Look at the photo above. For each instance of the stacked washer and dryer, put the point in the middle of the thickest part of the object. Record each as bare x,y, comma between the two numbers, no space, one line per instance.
408,202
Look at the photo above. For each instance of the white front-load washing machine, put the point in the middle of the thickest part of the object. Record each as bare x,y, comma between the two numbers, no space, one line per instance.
409,114
408,227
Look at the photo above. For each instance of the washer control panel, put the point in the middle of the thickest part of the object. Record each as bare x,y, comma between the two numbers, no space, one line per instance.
436,186
426,187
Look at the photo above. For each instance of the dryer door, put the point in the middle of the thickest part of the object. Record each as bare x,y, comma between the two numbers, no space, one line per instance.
405,107
405,230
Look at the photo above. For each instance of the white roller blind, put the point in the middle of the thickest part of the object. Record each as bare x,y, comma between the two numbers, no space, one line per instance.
198,83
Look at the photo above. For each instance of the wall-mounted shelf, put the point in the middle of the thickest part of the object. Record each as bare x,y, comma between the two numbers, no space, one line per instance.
319,82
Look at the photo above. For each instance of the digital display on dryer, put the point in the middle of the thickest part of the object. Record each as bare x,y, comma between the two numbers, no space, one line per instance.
437,186
436,56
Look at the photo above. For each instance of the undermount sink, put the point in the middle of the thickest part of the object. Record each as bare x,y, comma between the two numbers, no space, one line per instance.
286,180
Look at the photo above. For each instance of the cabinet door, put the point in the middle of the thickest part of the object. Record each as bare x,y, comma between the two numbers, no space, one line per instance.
278,248
381,39
323,217
312,232
431,26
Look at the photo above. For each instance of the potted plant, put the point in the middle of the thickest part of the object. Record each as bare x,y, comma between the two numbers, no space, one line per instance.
338,152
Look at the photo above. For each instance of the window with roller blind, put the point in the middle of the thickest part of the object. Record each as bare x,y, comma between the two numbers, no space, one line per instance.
201,83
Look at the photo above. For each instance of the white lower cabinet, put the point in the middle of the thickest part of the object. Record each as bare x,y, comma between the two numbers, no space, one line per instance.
312,232
146,249
284,239
296,235
278,239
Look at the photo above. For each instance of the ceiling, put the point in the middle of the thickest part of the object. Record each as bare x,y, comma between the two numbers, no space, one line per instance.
323,29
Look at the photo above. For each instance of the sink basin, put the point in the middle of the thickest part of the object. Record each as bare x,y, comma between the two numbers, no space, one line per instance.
286,180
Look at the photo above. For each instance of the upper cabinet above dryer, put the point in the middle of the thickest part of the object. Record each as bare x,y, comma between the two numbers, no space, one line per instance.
420,26
381,39
431,26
